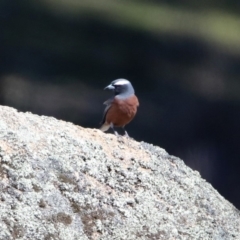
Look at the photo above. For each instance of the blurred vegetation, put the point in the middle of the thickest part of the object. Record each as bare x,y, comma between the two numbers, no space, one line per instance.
183,58
197,20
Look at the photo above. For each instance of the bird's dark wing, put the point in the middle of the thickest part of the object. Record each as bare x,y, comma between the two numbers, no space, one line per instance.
108,103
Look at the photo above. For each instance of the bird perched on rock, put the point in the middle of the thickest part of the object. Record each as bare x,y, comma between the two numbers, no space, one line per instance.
121,108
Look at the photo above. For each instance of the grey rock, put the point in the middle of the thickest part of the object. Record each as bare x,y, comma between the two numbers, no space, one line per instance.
61,181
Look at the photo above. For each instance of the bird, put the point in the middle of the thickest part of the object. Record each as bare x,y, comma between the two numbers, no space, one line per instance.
121,108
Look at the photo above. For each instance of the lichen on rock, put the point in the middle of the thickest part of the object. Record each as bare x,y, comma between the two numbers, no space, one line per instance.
61,181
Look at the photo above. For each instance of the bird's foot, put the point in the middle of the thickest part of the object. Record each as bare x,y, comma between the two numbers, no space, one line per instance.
126,134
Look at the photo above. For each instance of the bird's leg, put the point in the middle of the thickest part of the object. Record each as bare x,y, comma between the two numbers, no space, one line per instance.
125,132
112,127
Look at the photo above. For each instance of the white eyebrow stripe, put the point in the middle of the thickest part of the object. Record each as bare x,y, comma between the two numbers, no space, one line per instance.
122,82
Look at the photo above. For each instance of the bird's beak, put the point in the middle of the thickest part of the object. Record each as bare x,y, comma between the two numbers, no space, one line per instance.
110,87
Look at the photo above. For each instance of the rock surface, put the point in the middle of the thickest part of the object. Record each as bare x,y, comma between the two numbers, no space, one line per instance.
61,181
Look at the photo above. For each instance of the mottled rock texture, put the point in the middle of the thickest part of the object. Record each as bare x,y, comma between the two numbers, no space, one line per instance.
61,181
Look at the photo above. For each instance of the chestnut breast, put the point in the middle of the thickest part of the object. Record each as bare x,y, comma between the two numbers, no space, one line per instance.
122,111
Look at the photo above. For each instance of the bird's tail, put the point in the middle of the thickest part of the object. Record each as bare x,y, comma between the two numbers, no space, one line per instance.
105,127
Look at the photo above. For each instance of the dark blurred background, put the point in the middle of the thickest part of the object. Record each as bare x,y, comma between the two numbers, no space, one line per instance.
183,58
